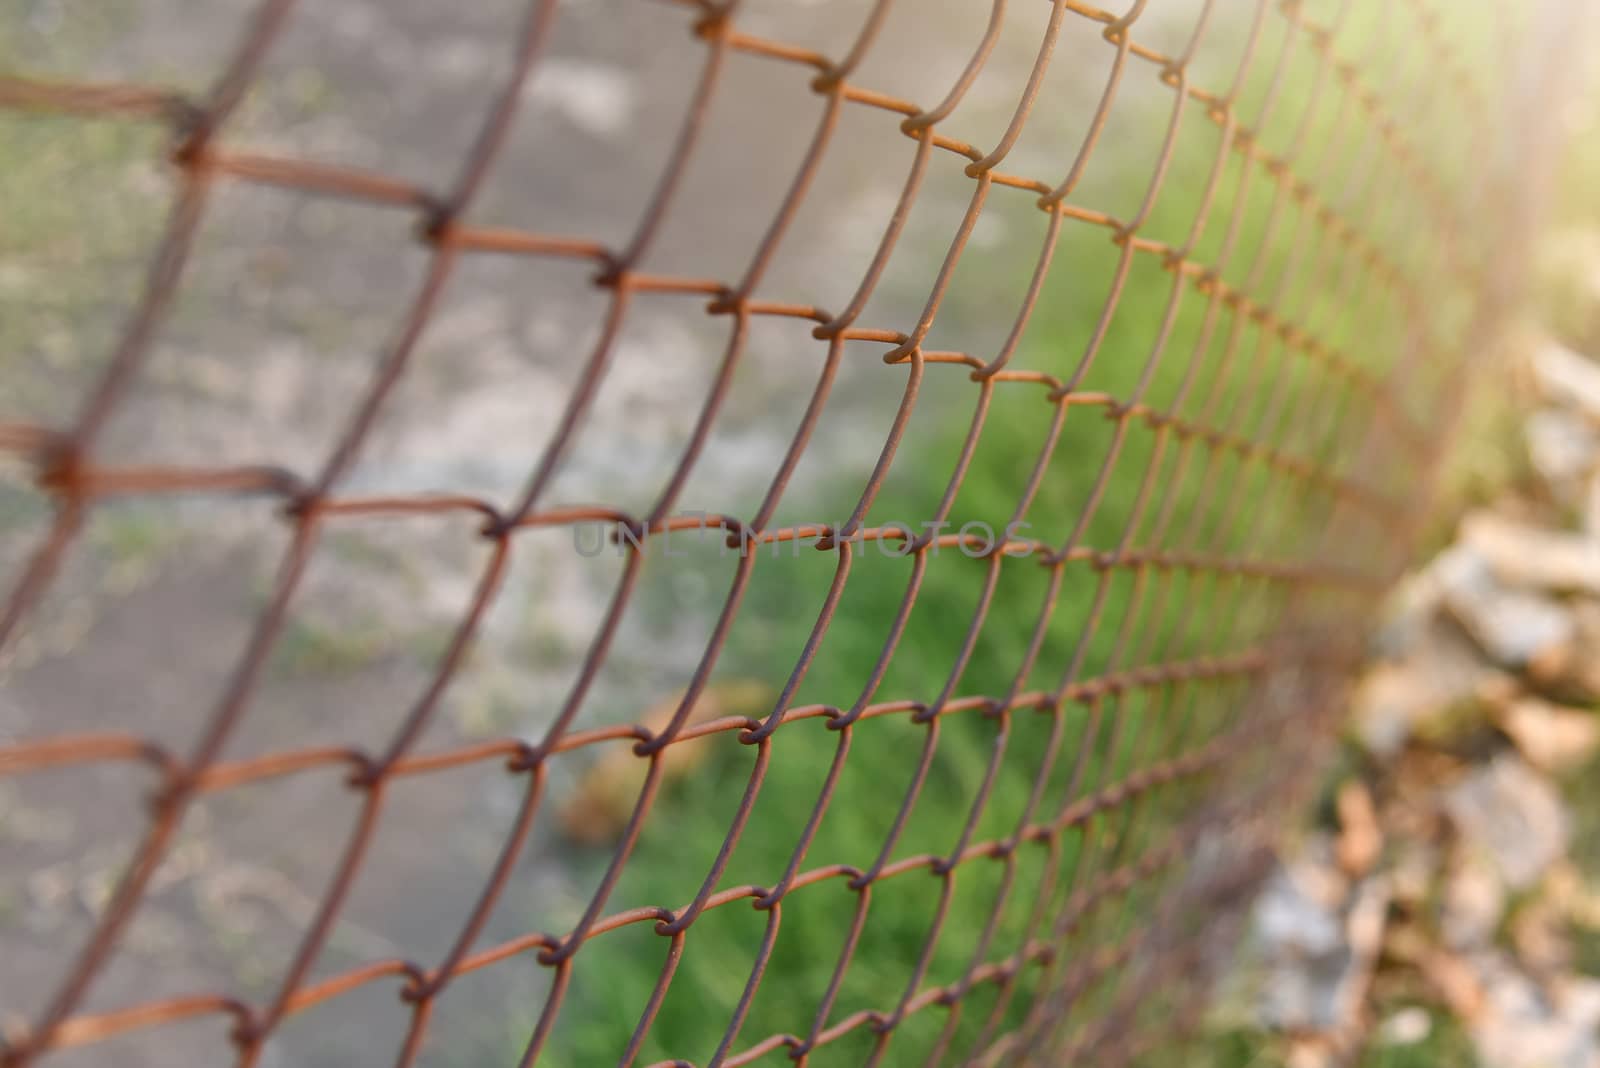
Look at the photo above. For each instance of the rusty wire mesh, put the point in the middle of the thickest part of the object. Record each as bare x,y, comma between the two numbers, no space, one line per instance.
1139,861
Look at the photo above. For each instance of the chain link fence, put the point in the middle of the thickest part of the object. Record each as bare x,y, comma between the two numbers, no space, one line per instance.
1193,451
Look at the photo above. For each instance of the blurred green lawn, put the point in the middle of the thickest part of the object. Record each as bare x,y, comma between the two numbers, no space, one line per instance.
1241,509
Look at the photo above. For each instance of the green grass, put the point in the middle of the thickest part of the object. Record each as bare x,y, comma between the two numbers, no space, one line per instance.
82,208
1583,799
1246,510
74,230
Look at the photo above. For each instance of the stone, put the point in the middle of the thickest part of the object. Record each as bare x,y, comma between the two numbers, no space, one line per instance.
1408,614
1519,554
1512,816
1319,939
1579,998
1397,698
1303,901
1521,1025
1406,1027
1511,626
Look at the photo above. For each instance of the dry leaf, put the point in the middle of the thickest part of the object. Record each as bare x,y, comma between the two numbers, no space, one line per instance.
1360,840
1552,737
1453,978
1539,935
600,805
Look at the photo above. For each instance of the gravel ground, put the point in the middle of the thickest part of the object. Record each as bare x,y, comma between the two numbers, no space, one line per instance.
1447,906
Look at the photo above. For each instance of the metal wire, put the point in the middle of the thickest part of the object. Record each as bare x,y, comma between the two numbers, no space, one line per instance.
1398,227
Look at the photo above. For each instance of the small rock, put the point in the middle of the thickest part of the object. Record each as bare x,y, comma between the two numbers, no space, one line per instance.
1408,614
1569,378
1320,956
1397,698
1522,555
1511,815
1406,1027
1552,738
1511,626
1520,1025
1301,904
1579,998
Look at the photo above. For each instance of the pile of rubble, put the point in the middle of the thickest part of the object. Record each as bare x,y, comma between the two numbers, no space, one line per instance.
1447,890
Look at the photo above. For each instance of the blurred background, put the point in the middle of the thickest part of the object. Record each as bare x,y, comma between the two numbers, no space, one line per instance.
1387,295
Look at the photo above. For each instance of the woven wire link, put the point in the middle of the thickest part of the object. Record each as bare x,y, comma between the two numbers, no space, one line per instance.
1397,227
